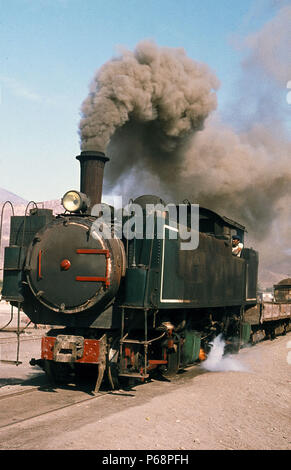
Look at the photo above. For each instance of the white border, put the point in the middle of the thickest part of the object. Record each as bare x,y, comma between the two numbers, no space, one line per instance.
174,301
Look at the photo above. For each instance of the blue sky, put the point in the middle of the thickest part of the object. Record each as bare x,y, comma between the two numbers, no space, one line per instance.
50,50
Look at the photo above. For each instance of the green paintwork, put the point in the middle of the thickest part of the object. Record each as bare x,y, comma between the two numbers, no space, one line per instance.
30,224
245,332
135,284
191,347
12,281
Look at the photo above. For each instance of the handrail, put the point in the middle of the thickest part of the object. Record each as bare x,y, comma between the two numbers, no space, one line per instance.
25,216
1,219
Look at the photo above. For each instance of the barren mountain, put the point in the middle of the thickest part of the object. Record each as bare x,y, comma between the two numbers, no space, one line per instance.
8,196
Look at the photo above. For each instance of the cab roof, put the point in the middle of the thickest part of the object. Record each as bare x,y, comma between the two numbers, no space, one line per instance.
221,220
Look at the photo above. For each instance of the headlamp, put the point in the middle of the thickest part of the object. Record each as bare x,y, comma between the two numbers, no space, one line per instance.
73,201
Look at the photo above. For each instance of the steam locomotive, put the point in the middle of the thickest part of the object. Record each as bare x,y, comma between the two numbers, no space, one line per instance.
128,307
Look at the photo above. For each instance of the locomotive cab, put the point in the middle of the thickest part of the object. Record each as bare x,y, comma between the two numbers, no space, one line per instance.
219,226
245,271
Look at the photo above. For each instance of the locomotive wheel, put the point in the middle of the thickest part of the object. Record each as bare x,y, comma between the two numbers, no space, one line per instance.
58,372
171,369
85,373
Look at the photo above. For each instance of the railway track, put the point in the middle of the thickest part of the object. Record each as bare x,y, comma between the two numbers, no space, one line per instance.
13,339
22,406
19,392
16,407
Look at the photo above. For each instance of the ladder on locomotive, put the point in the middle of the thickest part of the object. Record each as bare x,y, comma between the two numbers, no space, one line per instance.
126,340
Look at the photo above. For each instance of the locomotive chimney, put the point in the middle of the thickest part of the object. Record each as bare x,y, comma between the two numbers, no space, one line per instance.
92,168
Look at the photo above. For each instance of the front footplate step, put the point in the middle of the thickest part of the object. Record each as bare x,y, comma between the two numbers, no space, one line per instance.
137,376
134,341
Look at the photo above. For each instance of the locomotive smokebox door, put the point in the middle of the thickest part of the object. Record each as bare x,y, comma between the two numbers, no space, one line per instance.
69,270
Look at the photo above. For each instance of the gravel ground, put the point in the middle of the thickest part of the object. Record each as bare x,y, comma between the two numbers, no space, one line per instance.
243,409
215,410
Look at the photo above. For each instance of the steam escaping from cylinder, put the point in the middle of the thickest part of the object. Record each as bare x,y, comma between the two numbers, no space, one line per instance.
217,362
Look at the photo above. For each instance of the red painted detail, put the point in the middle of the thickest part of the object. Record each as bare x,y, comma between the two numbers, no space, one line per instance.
90,279
91,350
39,265
132,358
170,343
95,251
65,264
47,345
154,363
141,372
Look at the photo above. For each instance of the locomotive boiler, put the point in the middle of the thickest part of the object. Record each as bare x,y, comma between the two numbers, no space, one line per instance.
125,306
